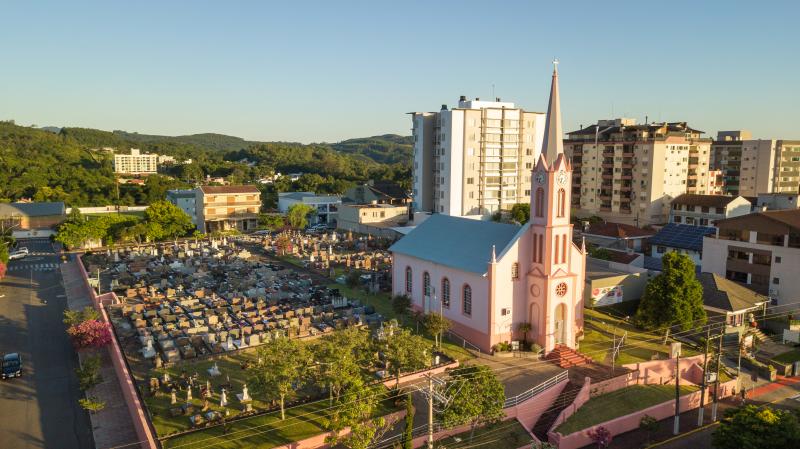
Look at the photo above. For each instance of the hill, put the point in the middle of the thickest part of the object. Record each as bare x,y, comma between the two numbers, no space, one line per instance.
386,149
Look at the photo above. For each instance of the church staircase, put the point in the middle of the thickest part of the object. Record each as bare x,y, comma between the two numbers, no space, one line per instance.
566,357
566,398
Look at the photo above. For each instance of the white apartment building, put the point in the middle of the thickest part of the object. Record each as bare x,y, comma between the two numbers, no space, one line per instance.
629,173
474,159
136,163
326,206
753,166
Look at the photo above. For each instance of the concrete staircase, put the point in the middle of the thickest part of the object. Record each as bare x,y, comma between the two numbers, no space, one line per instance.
566,357
547,419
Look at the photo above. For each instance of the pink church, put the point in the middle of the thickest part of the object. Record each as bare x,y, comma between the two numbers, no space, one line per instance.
488,277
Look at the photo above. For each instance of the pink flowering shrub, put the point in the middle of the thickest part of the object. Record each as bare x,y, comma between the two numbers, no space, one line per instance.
3,268
90,334
601,436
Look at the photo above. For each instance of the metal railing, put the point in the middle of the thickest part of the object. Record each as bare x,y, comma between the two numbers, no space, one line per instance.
524,396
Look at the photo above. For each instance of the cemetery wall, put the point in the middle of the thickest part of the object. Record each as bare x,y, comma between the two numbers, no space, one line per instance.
144,432
420,374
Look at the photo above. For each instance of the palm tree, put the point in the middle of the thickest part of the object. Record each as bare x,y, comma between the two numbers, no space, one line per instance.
524,327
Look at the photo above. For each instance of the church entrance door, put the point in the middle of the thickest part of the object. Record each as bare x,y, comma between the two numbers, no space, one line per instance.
561,311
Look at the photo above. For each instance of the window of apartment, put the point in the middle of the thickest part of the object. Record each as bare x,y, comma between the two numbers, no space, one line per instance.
528,152
528,165
776,281
466,303
446,293
515,270
661,249
677,219
471,195
777,259
470,180
409,280
527,193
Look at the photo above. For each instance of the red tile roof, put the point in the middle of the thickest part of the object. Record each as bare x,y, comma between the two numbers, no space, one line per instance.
229,189
618,231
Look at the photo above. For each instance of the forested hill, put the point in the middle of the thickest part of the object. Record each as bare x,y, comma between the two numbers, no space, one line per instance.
47,166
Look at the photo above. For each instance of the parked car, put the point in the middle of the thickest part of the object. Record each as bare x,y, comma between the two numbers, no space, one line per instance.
12,365
21,253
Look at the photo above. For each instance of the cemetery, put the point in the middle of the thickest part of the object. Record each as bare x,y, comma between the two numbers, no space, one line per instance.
191,316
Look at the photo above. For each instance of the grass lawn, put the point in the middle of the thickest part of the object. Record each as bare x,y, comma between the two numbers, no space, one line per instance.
639,345
291,260
264,431
505,435
788,357
620,403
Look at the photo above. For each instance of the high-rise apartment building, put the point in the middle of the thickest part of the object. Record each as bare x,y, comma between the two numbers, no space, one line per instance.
753,166
474,159
629,173
136,163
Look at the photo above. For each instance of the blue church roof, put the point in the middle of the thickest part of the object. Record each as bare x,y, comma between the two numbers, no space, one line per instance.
456,242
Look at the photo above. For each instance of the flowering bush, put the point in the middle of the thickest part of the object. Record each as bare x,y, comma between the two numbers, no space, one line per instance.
2,270
90,334
601,436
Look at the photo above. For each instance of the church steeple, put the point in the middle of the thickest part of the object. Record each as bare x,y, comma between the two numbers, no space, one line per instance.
553,143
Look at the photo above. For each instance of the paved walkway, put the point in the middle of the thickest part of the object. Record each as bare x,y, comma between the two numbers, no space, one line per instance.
112,426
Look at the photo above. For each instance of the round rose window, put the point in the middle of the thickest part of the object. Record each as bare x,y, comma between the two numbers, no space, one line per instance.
561,289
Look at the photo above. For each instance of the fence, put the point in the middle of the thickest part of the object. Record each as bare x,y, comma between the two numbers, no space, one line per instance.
524,396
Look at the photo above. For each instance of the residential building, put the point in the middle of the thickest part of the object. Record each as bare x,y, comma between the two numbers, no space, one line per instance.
377,192
474,159
705,210
34,219
681,238
628,173
761,250
488,277
224,208
728,301
615,280
373,219
617,236
326,207
776,201
136,163
186,200
750,167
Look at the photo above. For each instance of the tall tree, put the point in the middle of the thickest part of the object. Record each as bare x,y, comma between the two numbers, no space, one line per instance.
752,427
405,352
478,400
279,369
436,324
340,357
401,305
167,221
354,409
521,212
297,215
408,432
674,297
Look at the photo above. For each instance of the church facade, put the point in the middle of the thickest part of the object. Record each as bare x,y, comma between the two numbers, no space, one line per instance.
487,278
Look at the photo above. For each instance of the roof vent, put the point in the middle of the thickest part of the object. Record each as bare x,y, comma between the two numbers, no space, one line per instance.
444,107
497,99
477,99
462,98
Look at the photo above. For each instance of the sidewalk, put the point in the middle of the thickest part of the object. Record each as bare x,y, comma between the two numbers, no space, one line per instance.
112,426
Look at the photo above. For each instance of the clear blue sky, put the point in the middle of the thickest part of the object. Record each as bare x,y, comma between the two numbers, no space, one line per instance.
328,70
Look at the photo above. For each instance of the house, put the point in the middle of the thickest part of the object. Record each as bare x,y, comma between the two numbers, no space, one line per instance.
617,235
377,192
705,210
776,201
682,238
760,250
488,277
326,206
34,219
615,280
225,208
373,219
186,200
738,305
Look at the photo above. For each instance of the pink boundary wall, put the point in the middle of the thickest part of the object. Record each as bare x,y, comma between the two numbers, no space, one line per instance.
630,422
420,374
143,430
318,441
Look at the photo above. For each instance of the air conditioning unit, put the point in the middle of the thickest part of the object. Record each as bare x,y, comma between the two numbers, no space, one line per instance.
505,311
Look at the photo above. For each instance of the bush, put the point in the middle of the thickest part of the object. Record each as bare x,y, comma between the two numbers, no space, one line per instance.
89,373
90,334
92,404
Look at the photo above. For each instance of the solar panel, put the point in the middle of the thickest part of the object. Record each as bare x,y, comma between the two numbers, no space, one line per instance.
682,236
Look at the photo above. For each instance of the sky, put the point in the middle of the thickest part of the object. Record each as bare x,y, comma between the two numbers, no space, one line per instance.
314,71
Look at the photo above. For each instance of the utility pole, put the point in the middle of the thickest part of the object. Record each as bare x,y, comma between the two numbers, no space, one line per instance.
716,384
703,387
676,348
430,411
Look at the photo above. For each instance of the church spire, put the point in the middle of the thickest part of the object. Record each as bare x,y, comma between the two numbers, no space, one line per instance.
553,143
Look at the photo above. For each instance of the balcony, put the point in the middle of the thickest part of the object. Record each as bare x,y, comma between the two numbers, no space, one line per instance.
609,177
627,154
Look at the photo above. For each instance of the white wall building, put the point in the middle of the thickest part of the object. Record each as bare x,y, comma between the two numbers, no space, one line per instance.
136,163
326,206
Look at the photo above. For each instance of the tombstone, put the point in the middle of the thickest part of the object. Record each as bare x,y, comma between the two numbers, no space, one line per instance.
166,378
223,398
214,370
173,397
189,393
245,395
208,388
148,351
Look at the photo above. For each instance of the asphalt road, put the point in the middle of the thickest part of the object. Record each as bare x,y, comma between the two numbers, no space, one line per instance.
40,409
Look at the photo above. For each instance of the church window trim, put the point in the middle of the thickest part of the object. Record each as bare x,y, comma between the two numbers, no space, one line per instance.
539,206
466,300
446,293
562,200
426,284
564,248
409,280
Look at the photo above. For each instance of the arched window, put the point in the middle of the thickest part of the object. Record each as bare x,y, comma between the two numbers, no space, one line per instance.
535,249
541,248
539,202
446,293
409,281
467,300
564,248
426,284
562,201
555,248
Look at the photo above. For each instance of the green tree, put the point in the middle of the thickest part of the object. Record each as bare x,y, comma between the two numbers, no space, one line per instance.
353,279
524,327
279,369
405,352
75,317
478,400
649,424
674,297
297,215
752,427
89,373
521,212
167,221
401,305
271,222
408,432
436,324
340,357
354,409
